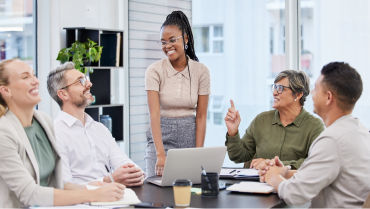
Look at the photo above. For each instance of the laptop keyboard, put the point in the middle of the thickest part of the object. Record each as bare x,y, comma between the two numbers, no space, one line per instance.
158,181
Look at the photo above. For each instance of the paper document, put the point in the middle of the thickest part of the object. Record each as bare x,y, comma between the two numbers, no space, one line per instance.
238,172
129,197
251,187
63,207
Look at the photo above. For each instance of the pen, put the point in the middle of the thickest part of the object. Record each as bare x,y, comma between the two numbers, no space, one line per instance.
109,173
204,173
232,171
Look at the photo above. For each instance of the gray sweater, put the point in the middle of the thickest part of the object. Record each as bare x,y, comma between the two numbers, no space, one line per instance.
336,172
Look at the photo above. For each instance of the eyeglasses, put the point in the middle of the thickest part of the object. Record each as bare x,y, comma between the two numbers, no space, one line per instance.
279,88
172,42
83,82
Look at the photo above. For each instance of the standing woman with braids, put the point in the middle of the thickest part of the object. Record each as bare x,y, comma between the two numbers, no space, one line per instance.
178,89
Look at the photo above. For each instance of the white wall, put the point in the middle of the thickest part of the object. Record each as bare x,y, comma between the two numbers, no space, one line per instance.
53,16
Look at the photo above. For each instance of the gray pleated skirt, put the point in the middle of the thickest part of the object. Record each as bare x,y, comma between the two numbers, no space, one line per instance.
176,133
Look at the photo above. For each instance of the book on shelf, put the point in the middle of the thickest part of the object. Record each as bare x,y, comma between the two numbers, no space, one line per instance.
118,49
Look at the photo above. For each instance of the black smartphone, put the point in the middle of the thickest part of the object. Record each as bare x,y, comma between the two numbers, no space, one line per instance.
152,205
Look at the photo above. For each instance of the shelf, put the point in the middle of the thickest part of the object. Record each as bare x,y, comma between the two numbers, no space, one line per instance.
115,112
103,37
101,85
111,105
101,77
111,41
95,67
87,28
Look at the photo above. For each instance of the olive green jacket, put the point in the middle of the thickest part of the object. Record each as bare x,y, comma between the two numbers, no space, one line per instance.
266,137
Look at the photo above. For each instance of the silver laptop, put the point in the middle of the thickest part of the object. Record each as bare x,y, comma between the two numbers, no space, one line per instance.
185,164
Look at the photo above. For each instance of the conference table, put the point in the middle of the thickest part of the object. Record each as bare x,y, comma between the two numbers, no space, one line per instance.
152,193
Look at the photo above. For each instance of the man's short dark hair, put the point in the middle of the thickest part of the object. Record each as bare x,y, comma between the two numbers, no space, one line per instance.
344,82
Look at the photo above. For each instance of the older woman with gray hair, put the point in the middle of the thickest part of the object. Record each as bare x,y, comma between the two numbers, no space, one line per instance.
287,131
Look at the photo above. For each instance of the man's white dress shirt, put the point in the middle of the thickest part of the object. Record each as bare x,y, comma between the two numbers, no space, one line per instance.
86,150
336,172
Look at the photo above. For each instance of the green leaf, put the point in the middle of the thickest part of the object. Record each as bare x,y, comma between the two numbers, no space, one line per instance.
97,57
63,55
80,49
77,56
91,43
88,55
93,51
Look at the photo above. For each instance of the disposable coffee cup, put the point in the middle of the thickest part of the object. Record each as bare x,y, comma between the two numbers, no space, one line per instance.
182,192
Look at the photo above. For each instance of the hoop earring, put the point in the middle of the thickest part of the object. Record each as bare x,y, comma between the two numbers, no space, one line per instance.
186,47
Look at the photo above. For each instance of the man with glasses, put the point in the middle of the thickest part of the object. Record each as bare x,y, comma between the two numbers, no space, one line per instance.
86,146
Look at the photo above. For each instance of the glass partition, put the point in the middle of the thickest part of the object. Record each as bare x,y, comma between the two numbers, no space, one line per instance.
17,39
243,45
337,30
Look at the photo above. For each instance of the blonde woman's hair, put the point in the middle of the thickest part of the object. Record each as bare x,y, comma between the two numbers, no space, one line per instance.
4,80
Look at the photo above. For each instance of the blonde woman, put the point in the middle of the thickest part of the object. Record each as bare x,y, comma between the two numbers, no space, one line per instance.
30,165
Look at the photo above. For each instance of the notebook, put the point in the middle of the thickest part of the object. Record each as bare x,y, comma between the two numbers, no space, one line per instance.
129,198
239,173
251,187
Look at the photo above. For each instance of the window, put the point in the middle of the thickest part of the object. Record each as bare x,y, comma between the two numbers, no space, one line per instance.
218,43
302,46
208,39
341,34
283,31
215,110
271,40
201,39
17,38
245,49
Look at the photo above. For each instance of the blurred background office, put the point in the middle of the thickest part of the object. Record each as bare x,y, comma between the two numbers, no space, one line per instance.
244,43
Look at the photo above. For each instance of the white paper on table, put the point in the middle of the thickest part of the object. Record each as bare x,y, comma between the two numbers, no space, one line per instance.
111,206
129,198
251,187
63,207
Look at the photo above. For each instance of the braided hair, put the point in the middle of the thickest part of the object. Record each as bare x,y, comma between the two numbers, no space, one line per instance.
179,19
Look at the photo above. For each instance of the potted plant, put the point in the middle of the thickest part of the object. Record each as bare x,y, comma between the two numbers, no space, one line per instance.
82,54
